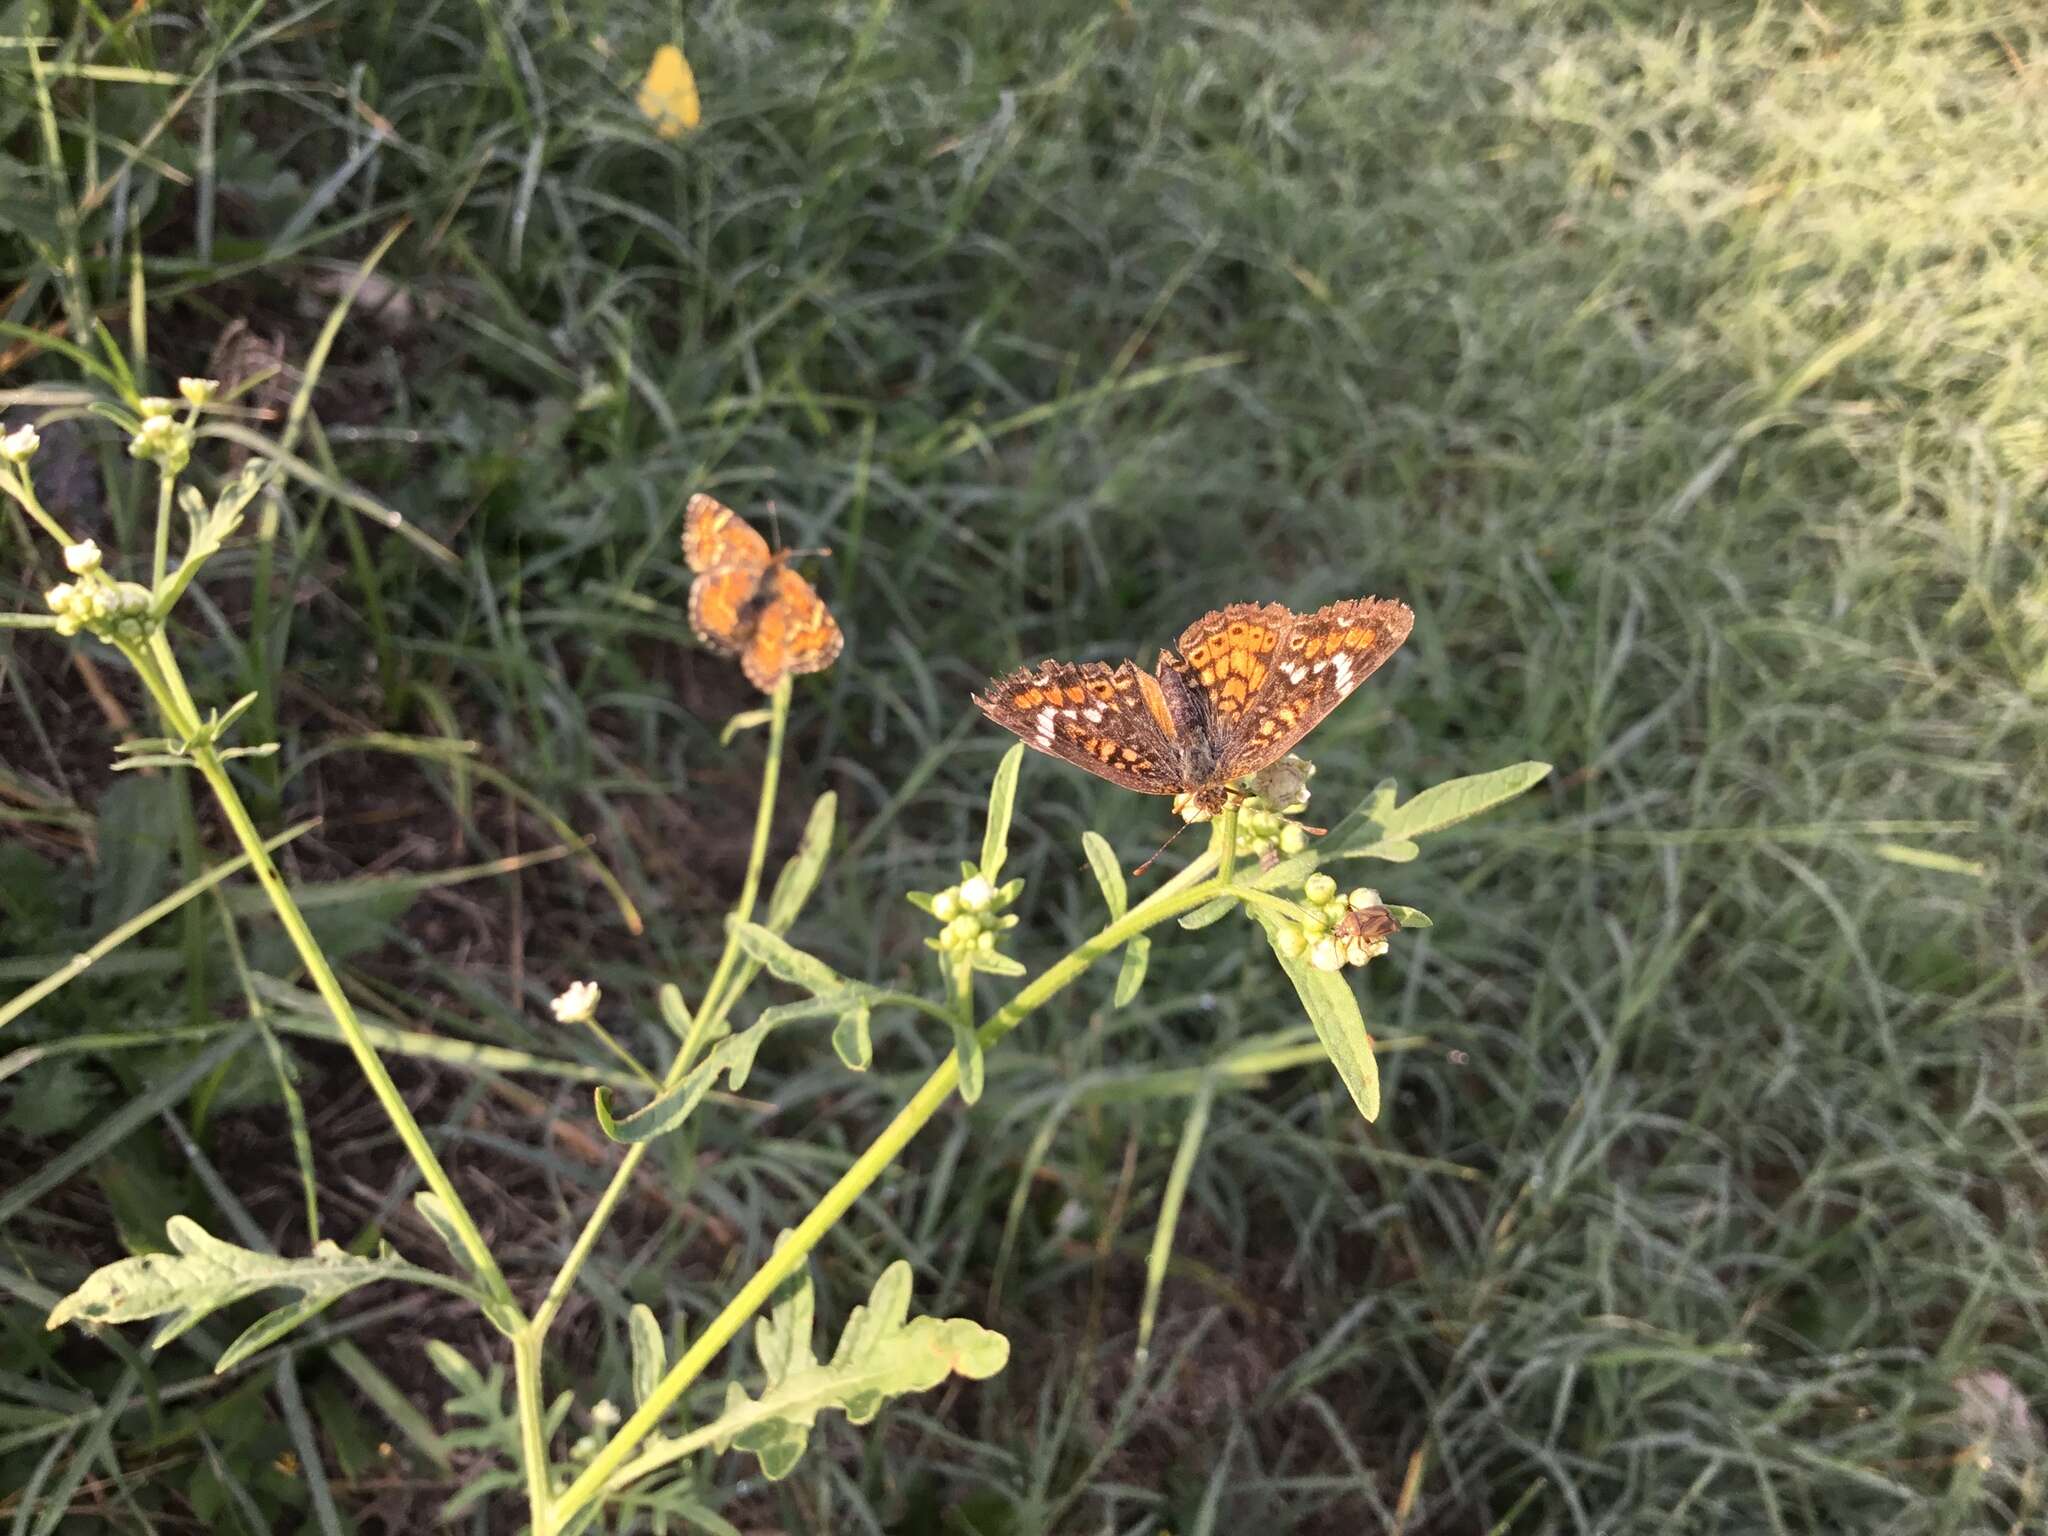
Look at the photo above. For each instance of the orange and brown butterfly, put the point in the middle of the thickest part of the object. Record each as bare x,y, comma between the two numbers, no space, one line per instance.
748,603
1244,686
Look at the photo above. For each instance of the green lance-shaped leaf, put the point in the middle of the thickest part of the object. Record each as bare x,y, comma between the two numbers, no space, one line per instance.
1445,805
1108,873
1137,955
785,960
650,1352
882,1353
1002,799
799,876
1333,1010
205,1274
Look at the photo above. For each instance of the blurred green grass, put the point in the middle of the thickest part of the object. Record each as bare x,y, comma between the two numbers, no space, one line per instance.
1679,368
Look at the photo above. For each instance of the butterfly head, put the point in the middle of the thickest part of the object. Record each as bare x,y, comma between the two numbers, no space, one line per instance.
1205,803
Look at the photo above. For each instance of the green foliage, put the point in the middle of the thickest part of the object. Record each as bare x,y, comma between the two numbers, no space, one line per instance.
204,1274
1333,1009
882,1353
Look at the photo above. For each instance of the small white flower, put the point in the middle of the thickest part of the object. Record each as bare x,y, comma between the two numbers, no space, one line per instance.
82,559
20,445
976,894
59,597
198,391
946,905
1326,955
604,1413
578,1005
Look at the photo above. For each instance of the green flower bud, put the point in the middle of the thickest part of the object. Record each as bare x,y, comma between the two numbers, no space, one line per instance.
946,905
1319,889
1292,839
199,392
1291,942
1365,896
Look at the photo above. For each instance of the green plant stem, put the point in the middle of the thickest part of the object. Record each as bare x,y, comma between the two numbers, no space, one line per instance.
158,669
533,1444
160,557
1191,888
1226,844
719,996
23,489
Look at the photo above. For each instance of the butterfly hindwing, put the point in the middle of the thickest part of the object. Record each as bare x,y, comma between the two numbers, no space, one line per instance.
793,631
1101,718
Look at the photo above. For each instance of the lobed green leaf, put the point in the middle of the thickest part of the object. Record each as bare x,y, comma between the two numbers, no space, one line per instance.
204,1274
882,1353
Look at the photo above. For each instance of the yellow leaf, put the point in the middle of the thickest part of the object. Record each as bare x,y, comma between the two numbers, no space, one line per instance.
668,96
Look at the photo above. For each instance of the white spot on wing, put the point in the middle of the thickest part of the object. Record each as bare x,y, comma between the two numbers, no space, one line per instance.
1294,670
1093,716
1345,680
1046,717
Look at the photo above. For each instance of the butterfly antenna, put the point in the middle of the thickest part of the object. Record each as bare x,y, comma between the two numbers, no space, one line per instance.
1160,849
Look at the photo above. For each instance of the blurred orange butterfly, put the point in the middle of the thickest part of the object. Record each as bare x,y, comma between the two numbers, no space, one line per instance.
668,96
748,603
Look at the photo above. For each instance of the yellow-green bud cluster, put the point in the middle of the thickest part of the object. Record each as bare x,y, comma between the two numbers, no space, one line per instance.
112,610
198,392
1341,928
972,914
162,439
1266,834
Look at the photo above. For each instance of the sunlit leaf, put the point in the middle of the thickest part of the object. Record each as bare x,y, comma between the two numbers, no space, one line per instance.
799,876
1333,1010
1137,955
204,1274
1002,800
882,1353
650,1352
1108,873
1445,805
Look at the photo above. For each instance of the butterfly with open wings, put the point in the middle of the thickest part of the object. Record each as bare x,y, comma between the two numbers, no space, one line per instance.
748,603
1244,686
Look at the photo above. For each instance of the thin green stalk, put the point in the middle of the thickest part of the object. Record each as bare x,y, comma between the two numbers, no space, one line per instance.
1226,844
1185,892
716,1004
160,557
158,669
533,1445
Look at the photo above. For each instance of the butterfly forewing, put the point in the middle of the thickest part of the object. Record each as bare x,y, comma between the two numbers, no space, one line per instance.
1315,662
714,535
1097,717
